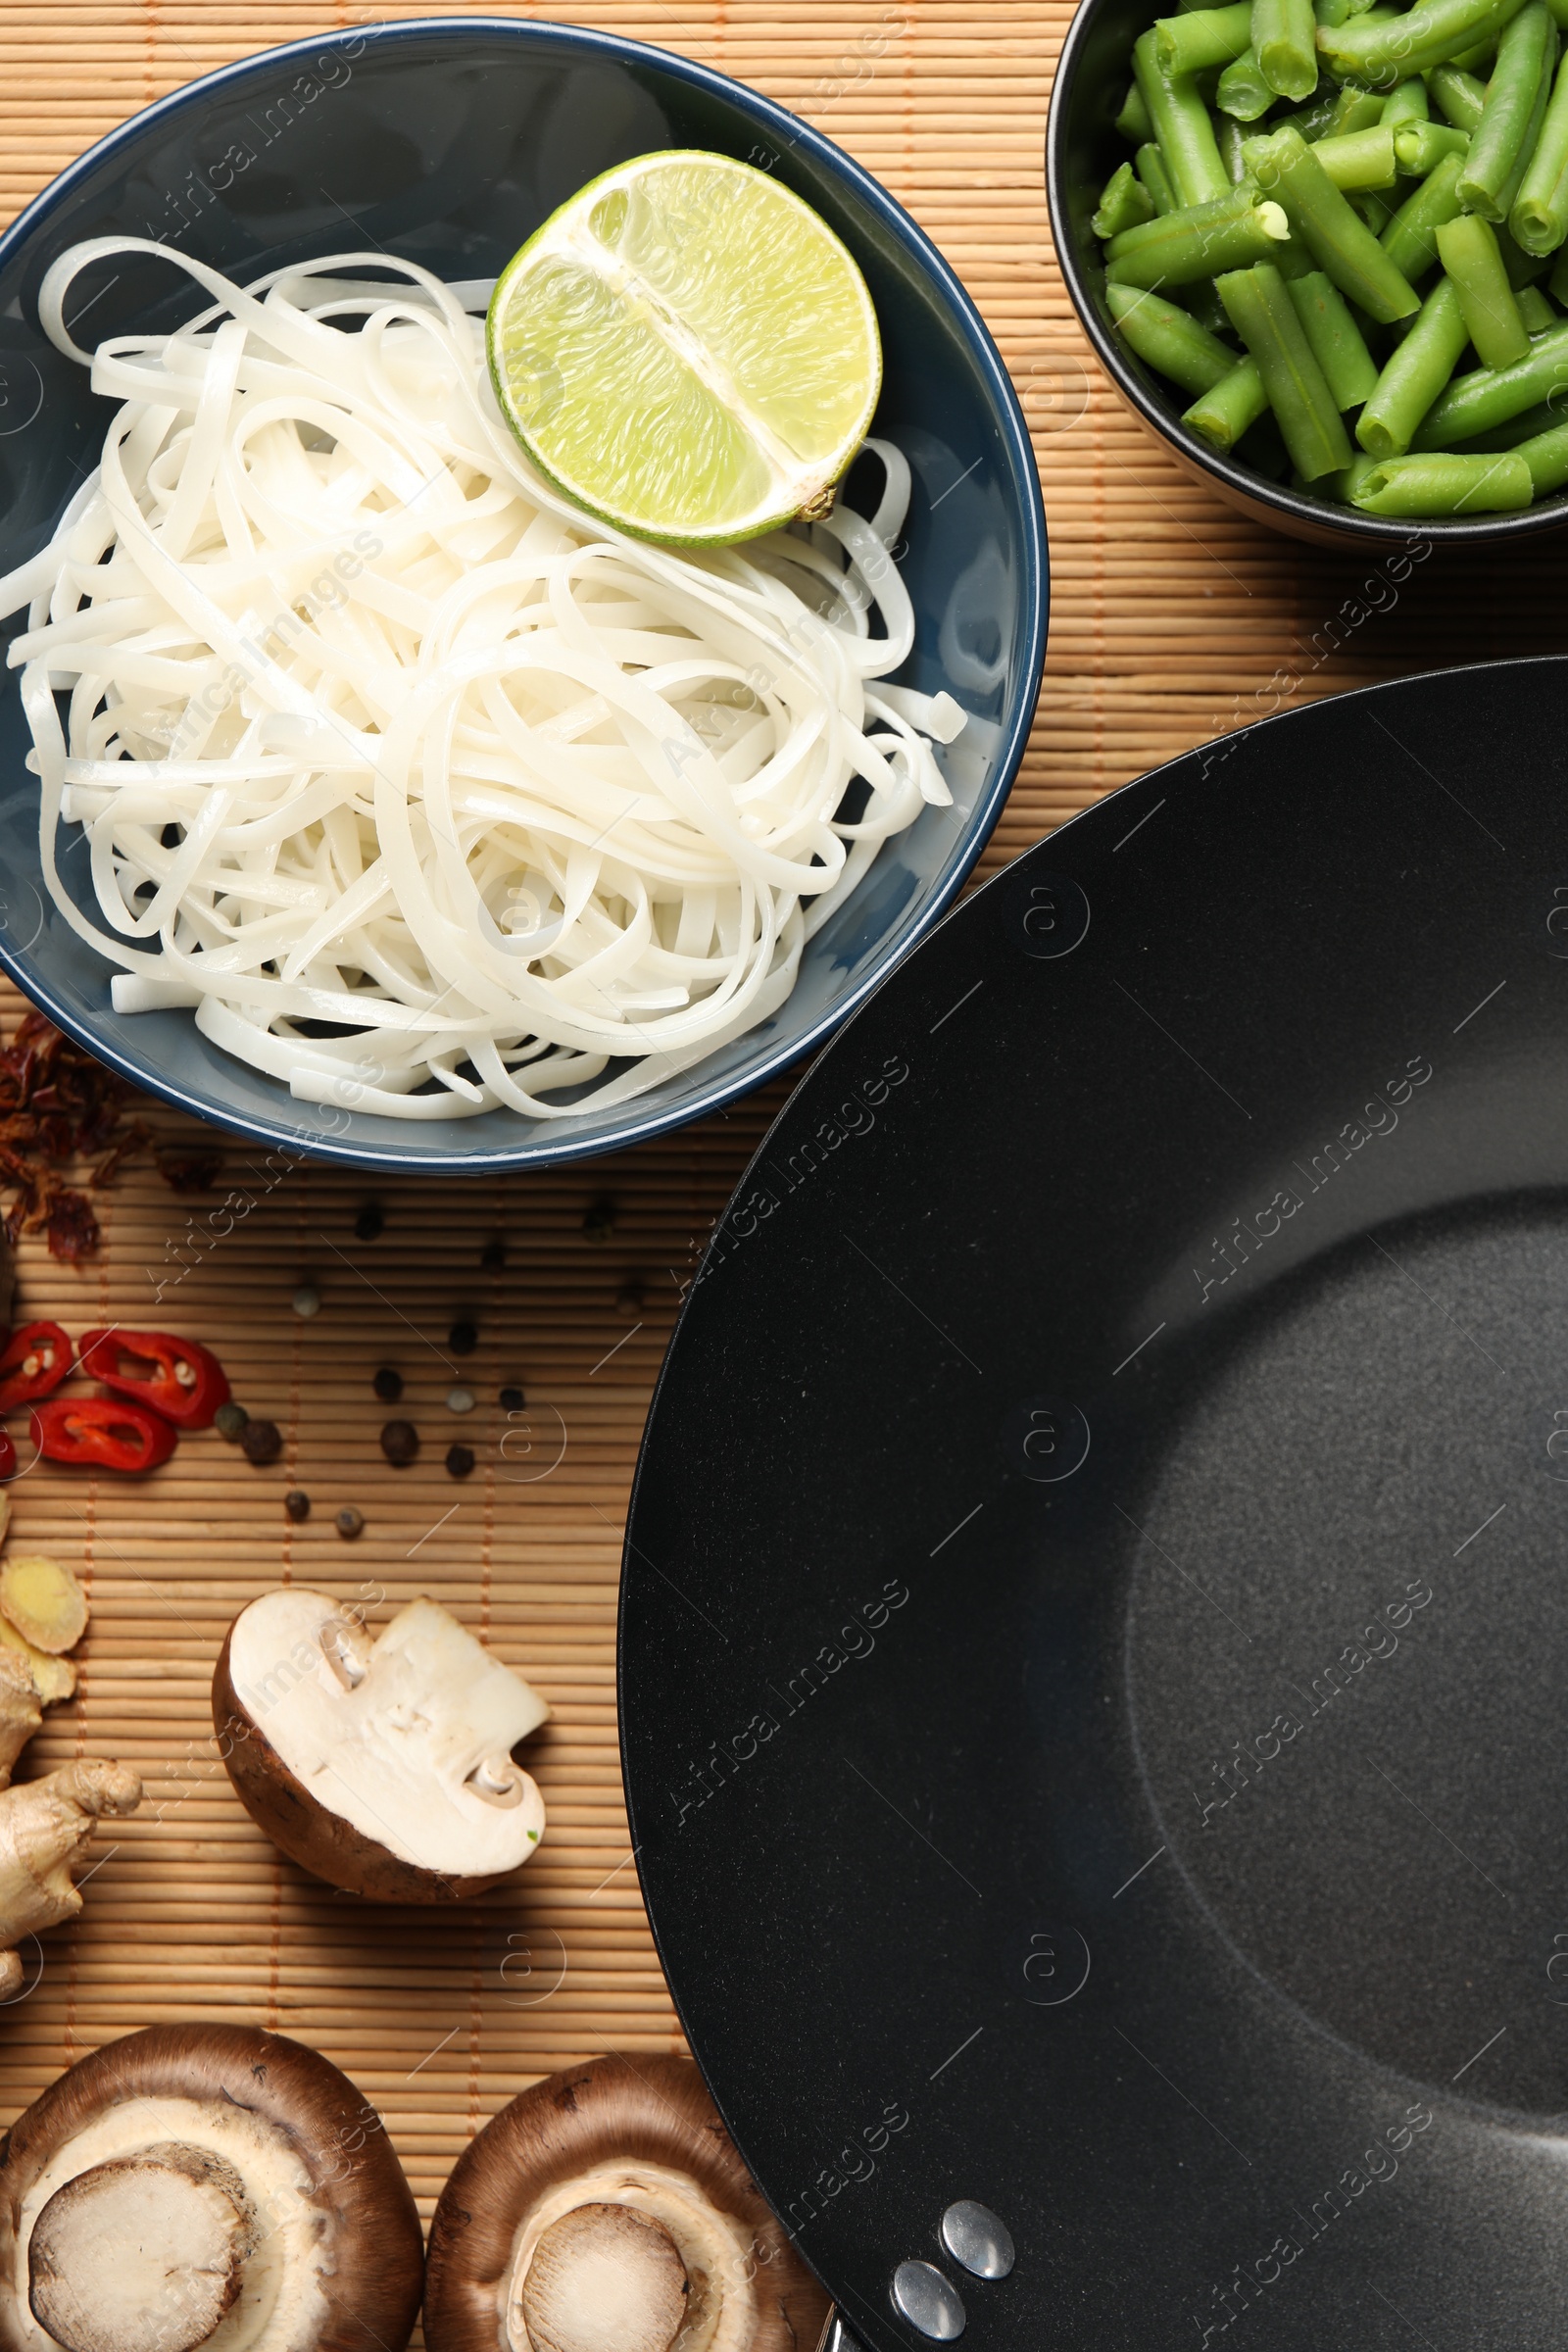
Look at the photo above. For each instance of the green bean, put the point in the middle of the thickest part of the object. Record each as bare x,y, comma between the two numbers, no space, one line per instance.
1243,91
1538,214
1546,457
1221,416
1523,268
1207,36
1409,103
1355,109
1340,242
1265,318
1414,375
1228,131
1314,121
1285,41
1524,54
1419,147
1489,397
1170,338
1376,211
1534,310
1124,202
1361,158
1345,484
1446,485
1426,35
1199,241
1331,12
1182,128
1461,97
1133,122
1337,344
1410,240
1478,61
1559,12
1150,166
1467,248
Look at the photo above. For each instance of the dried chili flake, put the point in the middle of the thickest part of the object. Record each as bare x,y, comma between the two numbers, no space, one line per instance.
57,1105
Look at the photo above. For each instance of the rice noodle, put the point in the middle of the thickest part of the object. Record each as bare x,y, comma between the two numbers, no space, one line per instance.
427,791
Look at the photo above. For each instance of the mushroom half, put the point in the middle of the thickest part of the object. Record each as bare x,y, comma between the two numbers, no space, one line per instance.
608,2210
382,1765
205,2186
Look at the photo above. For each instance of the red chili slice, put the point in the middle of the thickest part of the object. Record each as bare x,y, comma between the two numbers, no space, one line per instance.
106,1433
8,1456
174,1377
35,1361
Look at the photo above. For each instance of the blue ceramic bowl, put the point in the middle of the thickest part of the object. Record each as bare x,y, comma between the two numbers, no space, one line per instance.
448,141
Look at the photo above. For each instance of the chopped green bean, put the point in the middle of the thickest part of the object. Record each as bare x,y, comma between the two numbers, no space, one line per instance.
1340,242
1285,41
1331,12
1361,158
1355,109
1461,96
1419,147
1265,318
1316,121
1207,36
1414,375
1243,92
1221,416
1124,202
1410,240
1182,128
1170,338
1199,241
1133,122
1446,485
1338,343
1489,397
1345,484
1467,248
1525,54
1409,103
1429,34
1546,457
1536,311
1230,135
1538,214
1150,166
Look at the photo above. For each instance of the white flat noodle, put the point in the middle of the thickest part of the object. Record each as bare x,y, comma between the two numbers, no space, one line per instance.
428,792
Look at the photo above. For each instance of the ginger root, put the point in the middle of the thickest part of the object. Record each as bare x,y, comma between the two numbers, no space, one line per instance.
43,1601
56,1677
44,1824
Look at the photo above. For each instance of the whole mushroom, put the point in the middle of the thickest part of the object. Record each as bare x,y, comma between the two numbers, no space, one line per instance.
382,1765
608,2210
204,2185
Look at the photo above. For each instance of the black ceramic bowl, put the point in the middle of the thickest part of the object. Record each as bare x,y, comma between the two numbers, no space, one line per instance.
1081,149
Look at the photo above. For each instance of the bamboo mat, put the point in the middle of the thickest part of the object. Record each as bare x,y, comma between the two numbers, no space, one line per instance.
1171,620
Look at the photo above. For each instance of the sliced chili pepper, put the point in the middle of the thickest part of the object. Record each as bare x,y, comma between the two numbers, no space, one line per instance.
174,1377
35,1361
106,1433
8,1456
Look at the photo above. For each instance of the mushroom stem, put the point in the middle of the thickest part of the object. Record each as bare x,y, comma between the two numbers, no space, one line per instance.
605,2279
143,2254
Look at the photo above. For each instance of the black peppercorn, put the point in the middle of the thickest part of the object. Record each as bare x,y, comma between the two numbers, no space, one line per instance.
400,1442
459,1462
493,1256
370,1222
261,1441
388,1385
513,1398
297,1503
350,1523
229,1421
463,1339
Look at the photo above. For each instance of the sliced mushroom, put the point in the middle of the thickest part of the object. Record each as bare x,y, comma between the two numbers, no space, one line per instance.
205,2186
607,2210
383,1766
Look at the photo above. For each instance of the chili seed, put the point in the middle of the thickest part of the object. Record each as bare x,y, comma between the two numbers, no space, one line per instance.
371,1223
350,1523
184,1374
463,1339
261,1441
459,1462
297,1503
513,1398
492,1258
306,1301
400,1442
229,1421
388,1385
460,1401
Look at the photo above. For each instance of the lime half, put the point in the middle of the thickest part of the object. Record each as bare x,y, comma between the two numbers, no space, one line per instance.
686,350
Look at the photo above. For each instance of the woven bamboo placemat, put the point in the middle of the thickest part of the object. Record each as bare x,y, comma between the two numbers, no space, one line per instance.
1171,620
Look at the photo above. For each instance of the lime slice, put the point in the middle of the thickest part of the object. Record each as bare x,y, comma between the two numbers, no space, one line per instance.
686,350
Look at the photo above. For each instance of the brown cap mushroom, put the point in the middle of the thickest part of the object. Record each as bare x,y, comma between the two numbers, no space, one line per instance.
383,1766
204,2184
607,2210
